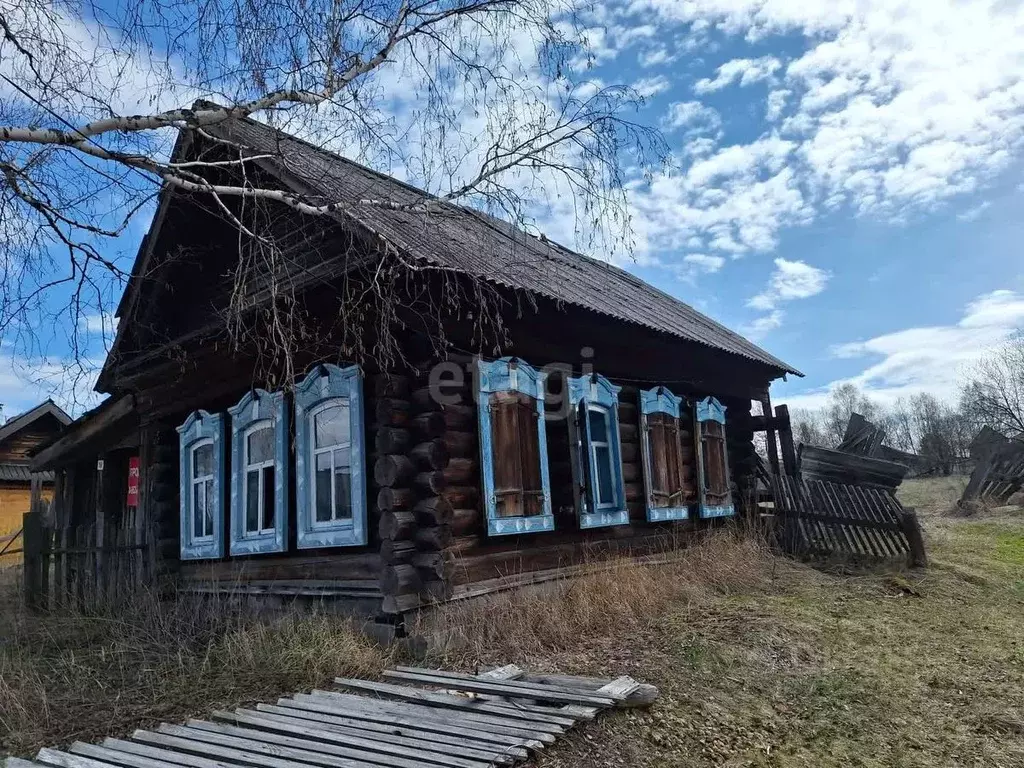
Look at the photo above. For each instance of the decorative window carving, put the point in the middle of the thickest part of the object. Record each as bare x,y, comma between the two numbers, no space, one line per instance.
259,473
715,494
201,478
330,477
597,453
668,484
513,447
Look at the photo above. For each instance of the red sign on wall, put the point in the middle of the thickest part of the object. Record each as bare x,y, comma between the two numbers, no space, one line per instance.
133,481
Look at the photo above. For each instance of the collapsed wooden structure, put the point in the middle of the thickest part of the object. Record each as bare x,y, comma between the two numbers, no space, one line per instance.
425,718
605,417
998,468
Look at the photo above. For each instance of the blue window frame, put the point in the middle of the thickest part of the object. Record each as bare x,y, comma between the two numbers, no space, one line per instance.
713,460
201,486
513,447
665,489
259,473
597,454
330,465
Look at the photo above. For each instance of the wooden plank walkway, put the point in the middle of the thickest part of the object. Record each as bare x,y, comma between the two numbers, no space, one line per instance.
421,718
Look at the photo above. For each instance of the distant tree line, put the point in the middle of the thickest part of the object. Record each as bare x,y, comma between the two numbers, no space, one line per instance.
992,393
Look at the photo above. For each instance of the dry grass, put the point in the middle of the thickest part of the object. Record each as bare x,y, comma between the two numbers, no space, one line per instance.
73,676
611,597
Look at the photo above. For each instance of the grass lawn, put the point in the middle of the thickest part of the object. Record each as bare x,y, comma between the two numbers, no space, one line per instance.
761,661
837,669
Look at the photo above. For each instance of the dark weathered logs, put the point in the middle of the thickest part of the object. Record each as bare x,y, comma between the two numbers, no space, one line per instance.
430,565
430,455
392,440
423,400
390,412
464,521
429,425
392,551
460,444
385,385
430,483
460,471
434,591
397,525
434,537
393,470
399,579
433,511
396,604
395,498
634,491
630,471
460,417
628,432
631,452
462,495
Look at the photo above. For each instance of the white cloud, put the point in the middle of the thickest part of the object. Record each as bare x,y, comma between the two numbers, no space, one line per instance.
651,86
927,359
763,325
974,212
776,104
656,56
747,71
791,280
696,264
692,116
24,384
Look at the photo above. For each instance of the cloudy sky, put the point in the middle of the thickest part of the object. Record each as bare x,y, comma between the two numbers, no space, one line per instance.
845,185
848,189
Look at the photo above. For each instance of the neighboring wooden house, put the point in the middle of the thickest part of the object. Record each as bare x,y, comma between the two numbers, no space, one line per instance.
612,417
19,436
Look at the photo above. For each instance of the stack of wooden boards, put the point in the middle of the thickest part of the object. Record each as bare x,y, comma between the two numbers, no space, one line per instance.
422,718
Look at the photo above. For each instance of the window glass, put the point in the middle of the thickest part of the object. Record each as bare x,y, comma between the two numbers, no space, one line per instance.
603,458
252,500
342,491
202,461
268,497
598,425
261,445
198,509
322,484
331,426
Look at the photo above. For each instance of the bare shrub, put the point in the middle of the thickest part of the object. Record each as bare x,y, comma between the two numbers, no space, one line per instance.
608,597
69,675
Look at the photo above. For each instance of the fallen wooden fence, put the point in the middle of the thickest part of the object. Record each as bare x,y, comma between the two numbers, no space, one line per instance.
821,518
998,474
429,719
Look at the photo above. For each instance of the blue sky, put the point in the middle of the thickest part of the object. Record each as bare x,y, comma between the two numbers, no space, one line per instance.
845,182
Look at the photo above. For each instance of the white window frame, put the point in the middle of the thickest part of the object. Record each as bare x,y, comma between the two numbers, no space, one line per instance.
607,445
247,467
327,405
203,480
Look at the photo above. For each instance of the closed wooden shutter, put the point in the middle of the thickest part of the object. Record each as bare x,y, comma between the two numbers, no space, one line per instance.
716,473
666,464
515,441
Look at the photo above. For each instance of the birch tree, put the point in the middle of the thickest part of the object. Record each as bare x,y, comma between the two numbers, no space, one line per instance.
483,102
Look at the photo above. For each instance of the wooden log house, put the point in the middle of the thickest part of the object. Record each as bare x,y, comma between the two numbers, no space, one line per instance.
605,416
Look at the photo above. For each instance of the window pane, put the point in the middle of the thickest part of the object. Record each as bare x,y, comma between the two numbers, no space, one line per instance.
603,457
268,497
202,461
252,501
210,504
343,492
261,445
598,426
198,509
331,426
322,481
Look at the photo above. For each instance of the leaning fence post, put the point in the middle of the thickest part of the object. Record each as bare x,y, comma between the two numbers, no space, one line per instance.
912,528
32,544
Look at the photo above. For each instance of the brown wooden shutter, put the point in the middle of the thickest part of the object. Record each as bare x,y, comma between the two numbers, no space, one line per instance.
716,473
515,445
666,461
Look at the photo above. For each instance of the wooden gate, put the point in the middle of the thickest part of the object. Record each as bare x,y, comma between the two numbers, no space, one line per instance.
822,519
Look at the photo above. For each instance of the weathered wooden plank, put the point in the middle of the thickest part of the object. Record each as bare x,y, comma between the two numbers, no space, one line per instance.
199,755
510,689
196,761
17,762
454,702
476,720
439,733
108,755
344,735
342,746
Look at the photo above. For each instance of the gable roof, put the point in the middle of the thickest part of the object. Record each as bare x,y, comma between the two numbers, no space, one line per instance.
464,240
17,423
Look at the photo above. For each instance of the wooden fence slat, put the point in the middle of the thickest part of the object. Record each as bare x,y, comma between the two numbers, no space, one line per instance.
508,688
